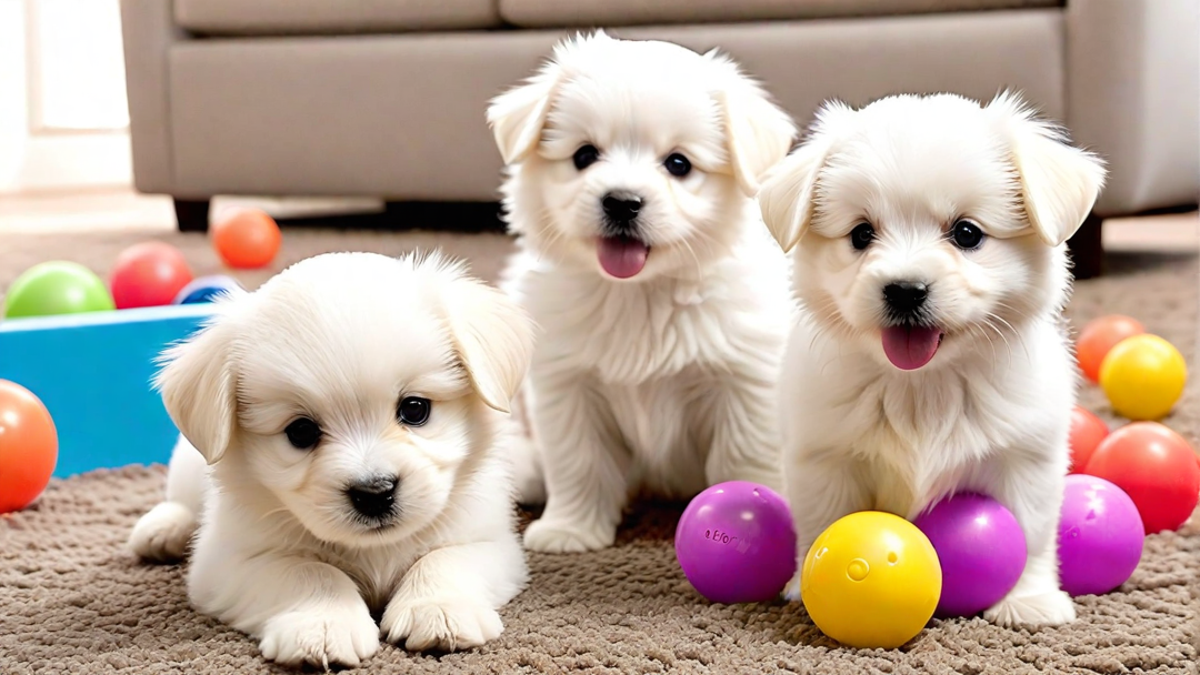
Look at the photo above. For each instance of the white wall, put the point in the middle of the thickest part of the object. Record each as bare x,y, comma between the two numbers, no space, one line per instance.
63,116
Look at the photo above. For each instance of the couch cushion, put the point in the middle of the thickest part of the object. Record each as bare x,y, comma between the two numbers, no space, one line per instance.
311,17
587,13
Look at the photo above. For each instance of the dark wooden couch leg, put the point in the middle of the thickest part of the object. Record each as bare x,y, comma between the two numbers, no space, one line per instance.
1087,248
191,215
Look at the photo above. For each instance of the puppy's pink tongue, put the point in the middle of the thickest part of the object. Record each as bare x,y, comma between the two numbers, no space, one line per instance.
910,347
622,257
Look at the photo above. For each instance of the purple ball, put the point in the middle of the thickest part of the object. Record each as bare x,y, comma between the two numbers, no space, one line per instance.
1100,536
735,543
981,548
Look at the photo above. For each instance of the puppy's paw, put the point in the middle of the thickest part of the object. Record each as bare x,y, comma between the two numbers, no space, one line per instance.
1053,608
558,537
323,637
791,592
447,625
163,533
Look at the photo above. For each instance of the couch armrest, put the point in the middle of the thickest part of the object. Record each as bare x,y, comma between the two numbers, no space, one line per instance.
1133,96
148,30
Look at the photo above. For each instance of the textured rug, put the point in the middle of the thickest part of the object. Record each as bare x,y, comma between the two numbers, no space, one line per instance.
72,600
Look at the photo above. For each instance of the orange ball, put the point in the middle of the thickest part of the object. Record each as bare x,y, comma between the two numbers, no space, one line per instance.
247,239
1087,431
1098,337
1156,467
28,446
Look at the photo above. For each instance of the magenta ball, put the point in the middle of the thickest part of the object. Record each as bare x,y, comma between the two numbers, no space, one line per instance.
981,548
735,543
1100,536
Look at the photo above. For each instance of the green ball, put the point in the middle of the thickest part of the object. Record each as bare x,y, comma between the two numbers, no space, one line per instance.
56,287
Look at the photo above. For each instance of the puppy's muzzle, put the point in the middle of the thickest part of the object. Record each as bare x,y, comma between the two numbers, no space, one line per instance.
374,499
905,301
621,211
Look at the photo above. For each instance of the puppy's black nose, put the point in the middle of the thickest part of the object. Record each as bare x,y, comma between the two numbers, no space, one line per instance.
621,207
374,498
905,297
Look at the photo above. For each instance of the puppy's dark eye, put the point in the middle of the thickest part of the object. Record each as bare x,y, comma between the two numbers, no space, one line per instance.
585,157
677,165
413,411
303,434
966,235
862,235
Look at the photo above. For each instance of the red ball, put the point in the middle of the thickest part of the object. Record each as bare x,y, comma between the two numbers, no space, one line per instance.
1157,469
1087,431
148,274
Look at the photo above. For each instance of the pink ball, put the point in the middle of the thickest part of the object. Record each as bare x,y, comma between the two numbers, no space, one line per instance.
1100,536
735,543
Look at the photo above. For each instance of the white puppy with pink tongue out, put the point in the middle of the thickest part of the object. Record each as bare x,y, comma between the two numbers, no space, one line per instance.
663,303
931,357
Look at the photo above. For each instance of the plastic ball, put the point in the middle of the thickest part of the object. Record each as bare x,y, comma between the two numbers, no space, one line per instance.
1154,466
28,446
1098,337
1143,376
1087,431
871,580
246,239
1100,536
735,543
981,548
205,289
148,274
56,287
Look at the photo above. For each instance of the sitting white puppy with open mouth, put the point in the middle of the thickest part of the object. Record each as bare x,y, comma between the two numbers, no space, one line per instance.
931,357
348,412
663,305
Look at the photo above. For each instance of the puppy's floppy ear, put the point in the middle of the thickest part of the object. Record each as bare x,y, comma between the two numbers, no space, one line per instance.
198,383
758,132
788,193
493,336
1059,183
518,115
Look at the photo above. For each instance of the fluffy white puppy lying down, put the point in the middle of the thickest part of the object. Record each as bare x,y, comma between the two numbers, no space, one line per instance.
349,411
663,303
931,357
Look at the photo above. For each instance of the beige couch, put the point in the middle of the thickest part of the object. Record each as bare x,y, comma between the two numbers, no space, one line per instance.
386,98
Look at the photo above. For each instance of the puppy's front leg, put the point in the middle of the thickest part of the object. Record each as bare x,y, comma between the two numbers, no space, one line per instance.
586,467
448,599
745,436
819,492
302,611
162,533
1033,492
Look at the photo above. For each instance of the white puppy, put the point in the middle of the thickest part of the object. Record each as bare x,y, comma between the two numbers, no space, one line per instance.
662,302
931,357
348,410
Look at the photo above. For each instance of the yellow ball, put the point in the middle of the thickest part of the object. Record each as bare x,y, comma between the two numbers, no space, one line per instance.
872,580
1143,377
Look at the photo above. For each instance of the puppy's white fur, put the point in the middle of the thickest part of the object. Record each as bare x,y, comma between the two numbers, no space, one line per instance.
281,553
991,411
664,380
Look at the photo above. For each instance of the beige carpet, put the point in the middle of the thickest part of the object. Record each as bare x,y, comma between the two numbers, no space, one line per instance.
73,601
